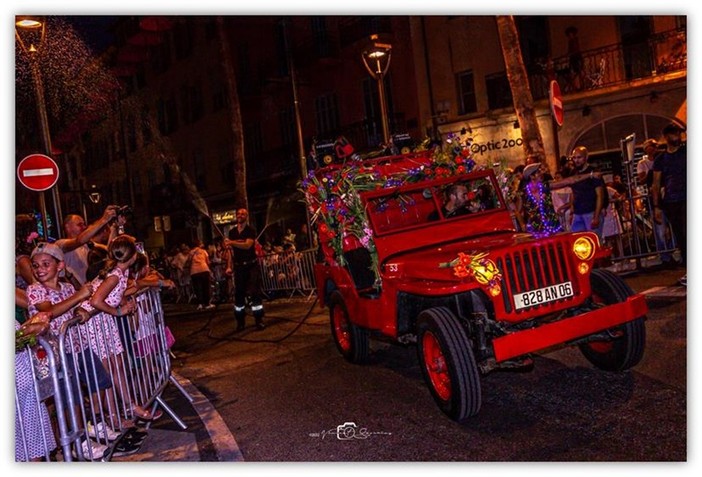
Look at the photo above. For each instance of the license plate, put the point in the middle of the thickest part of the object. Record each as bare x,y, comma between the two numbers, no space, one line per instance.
543,295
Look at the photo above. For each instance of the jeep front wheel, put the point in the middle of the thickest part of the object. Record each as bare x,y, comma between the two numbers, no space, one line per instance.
626,346
351,340
448,363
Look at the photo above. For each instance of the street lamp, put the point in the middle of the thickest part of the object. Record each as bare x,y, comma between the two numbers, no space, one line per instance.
30,33
377,61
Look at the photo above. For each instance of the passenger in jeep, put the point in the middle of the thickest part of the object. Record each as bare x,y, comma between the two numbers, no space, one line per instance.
457,199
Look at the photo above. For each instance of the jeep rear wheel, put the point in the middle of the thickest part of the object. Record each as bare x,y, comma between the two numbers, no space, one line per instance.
625,349
351,340
448,363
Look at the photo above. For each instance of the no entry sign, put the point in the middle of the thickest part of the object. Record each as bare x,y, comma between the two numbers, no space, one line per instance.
556,101
37,172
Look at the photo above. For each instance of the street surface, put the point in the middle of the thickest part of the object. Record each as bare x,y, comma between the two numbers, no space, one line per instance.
283,400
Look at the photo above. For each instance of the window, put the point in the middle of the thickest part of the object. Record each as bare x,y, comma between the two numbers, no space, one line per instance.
327,113
244,69
321,37
146,132
199,169
226,162
210,28
498,91
466,92
196,101
253,140
131,133
183,40
136,187
185,104
162,54
280,53
150,178
533,39
219,91
287,126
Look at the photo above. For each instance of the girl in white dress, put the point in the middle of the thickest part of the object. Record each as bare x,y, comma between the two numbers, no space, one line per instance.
103,335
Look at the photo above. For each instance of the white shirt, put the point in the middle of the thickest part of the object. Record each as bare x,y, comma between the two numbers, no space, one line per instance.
77,261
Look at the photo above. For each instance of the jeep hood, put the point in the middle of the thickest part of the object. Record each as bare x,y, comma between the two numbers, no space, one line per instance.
426,263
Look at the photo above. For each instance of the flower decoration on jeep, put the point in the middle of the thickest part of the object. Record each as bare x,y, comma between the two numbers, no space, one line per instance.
476,266
332,193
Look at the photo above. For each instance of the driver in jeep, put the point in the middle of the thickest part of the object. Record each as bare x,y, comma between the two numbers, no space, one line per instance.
455,205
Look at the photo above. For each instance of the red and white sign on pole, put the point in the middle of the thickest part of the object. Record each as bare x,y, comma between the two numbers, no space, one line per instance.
556,100
38,172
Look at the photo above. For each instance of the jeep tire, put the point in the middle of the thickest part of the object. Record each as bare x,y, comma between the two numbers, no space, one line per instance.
448,364
626,348
351,340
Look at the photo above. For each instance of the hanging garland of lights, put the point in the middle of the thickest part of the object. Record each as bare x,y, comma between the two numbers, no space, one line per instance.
541,218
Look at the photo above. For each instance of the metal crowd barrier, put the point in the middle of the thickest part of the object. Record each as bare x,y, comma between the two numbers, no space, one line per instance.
288,272
95,401
641,238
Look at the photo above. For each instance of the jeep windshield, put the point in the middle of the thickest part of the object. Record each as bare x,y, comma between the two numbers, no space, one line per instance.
429,203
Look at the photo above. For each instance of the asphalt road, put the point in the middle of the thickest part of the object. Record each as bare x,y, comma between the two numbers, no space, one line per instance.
283,401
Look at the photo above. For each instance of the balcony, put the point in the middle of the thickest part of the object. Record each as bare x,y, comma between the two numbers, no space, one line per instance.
612,65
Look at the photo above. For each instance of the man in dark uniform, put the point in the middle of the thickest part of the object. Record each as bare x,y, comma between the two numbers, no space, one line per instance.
669,191
247,276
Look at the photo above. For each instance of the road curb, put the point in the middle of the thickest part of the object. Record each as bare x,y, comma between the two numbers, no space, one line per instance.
223,440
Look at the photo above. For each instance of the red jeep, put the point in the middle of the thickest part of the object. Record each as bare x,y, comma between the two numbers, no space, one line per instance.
471,291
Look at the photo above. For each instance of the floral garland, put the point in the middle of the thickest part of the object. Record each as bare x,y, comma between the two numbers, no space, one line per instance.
332,194
476,266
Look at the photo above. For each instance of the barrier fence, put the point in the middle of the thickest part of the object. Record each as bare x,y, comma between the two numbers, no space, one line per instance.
98,378
288,273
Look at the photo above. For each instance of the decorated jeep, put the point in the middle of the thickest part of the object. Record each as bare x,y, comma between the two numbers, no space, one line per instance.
472,293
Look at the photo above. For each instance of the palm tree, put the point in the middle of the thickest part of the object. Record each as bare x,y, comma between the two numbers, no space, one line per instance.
240,196
533,144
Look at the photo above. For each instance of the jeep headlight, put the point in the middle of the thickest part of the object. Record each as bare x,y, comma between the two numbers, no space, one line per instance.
584,248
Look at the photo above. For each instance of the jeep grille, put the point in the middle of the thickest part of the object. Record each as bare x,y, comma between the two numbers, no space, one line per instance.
534,267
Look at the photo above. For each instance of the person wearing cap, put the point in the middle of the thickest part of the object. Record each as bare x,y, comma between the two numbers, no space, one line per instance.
57,299
532,168
535,204
669,190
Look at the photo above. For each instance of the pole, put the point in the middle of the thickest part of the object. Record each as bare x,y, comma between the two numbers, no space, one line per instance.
383,105
44,222
46,139
123,146
298,123
556,142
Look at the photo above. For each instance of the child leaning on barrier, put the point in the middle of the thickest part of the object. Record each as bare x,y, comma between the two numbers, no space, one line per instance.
102,329
34,436
57,299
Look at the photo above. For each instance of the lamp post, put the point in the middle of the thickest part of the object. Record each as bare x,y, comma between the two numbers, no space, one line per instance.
34,31
298,123
377,61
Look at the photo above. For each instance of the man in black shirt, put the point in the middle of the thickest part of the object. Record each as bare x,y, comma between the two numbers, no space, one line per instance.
669,190
588,196
247,276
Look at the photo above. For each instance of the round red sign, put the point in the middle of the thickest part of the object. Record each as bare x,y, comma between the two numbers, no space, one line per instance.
38,172
556,101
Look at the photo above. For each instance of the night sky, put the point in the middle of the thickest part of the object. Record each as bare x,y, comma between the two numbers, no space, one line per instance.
95,31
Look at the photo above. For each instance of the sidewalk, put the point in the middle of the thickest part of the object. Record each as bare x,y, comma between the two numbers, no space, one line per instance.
206,439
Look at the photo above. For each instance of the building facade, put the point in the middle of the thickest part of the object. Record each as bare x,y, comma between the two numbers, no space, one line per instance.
619,75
